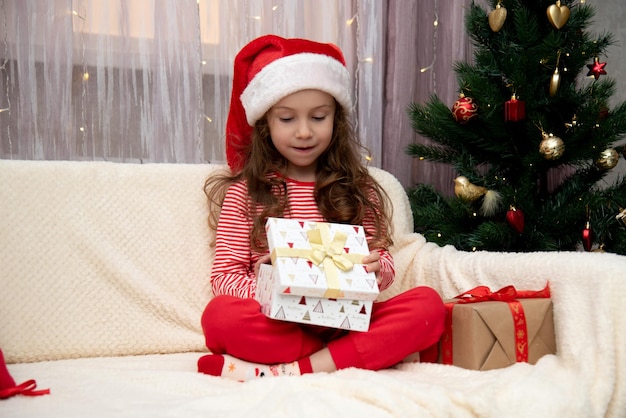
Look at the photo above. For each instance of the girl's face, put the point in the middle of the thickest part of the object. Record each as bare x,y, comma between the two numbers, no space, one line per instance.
301,128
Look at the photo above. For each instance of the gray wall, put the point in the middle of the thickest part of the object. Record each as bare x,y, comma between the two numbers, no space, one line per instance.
611,17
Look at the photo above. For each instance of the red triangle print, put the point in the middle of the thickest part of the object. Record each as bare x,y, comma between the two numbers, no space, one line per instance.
310,263
287,291
347,250
301,224
290,244
356,229
365,268
363,310
302,301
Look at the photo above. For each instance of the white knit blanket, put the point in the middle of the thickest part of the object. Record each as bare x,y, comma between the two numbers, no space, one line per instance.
111,262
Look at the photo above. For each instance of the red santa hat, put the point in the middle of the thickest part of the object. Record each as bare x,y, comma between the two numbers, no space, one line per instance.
270,68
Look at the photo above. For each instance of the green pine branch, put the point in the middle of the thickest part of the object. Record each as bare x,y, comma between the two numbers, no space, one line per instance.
504,156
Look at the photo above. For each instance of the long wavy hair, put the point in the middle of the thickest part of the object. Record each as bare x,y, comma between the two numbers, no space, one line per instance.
345,192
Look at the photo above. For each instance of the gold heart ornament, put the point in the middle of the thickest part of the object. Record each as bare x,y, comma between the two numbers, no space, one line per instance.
497,17
558,15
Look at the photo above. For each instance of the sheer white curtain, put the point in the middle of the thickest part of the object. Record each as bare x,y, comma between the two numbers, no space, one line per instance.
149,80
424,39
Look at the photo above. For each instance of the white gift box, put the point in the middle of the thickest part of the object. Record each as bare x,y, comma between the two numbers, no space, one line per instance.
316,276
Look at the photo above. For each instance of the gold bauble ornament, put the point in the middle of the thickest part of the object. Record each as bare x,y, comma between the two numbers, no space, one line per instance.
551,147
558,14
497,17
607,159
467,191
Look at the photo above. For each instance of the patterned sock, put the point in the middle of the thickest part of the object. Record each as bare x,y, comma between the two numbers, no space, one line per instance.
240,370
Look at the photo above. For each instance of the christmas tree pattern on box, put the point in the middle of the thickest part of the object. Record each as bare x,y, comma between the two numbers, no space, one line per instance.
316,275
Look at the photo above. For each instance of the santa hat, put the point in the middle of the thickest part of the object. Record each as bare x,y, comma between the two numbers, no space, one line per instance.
270,68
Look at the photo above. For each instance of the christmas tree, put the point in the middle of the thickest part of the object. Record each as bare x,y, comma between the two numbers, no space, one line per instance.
533,106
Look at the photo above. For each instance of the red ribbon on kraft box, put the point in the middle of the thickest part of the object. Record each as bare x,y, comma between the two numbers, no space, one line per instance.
507,294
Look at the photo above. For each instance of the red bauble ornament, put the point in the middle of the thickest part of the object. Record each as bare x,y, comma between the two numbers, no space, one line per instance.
514,110
464,109
596,69
603,114
515,218
587,237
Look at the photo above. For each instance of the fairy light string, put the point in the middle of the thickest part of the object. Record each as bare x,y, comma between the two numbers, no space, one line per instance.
360,60
80,14
431,67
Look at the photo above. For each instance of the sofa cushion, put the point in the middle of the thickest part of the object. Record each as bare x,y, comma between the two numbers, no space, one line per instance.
108,259
102,259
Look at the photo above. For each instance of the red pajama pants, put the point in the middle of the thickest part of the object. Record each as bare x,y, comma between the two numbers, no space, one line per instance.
408,323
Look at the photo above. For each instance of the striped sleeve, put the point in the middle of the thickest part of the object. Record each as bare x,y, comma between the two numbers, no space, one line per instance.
232,272
387,270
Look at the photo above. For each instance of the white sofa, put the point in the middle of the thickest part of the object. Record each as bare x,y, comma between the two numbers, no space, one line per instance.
105,272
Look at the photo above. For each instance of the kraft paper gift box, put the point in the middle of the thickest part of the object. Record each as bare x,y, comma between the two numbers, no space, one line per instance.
496,330
316,276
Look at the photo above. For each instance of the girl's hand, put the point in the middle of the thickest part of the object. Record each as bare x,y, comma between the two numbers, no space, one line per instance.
372,264
266,259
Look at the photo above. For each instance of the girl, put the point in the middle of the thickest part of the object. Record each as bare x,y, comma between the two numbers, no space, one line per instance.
292,153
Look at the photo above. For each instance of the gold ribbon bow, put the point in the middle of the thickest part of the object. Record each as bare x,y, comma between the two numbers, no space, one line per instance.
327,253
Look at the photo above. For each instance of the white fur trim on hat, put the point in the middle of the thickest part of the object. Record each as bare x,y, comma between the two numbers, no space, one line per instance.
293,73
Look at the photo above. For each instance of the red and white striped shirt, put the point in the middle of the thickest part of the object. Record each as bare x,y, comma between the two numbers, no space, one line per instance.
233,267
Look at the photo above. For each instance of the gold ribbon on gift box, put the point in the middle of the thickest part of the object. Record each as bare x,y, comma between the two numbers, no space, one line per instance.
327,253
